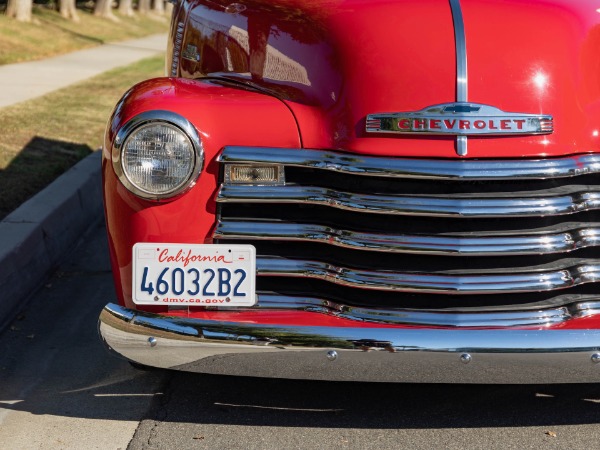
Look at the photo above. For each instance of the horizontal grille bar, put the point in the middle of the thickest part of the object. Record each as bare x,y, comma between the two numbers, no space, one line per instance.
542,316
483,282
519,243
416,168
513,206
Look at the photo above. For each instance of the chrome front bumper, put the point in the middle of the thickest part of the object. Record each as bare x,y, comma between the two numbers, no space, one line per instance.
353,354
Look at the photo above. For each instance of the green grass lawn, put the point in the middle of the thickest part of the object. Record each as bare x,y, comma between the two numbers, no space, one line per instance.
49,34
45,136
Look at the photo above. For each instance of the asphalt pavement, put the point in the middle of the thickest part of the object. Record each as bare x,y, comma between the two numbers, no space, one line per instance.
35,237
60,388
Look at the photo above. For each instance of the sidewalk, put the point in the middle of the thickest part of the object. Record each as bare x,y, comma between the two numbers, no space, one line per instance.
24,81
36,236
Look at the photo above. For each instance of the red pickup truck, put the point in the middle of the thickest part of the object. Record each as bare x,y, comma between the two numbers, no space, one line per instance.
362,190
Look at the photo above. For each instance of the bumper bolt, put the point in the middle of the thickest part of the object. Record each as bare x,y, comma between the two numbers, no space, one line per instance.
596,358
152,341
332,355
465,358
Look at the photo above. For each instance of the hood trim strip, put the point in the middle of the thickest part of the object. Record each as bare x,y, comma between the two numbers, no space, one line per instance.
462,78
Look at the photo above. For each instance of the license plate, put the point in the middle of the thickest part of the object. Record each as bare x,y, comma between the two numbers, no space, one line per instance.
194,274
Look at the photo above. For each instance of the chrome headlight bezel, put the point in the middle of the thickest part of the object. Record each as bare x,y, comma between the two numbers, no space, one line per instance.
168,118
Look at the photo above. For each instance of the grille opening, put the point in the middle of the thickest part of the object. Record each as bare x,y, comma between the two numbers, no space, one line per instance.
443,188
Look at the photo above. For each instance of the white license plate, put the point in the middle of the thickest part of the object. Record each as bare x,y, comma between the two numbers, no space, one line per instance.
194,274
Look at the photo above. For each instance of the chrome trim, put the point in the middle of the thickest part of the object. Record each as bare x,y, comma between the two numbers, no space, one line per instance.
473,119
361,353
439,318
585,309
148,117
462,77
190,52
460,42
561,275
177,44
524,242
461,146
468,206
354,164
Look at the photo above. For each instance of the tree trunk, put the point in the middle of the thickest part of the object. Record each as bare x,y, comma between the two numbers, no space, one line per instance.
19,10
103,8
126,8
159,7
68,10
144,6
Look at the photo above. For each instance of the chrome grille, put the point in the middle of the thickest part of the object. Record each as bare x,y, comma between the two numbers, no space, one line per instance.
462,205
419,235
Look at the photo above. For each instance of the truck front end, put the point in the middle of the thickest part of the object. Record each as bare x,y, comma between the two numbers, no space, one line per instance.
349,190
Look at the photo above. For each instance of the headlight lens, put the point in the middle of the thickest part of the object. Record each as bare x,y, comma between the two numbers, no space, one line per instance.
156,158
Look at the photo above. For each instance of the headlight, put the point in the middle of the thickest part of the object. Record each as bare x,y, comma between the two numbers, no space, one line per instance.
157,155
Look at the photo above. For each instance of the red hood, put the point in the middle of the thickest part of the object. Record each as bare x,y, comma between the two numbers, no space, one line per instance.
333,62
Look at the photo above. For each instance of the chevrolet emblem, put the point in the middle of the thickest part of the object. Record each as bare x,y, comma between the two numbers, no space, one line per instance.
460,119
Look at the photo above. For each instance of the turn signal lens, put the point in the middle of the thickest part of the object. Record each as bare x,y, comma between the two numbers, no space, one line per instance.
254,174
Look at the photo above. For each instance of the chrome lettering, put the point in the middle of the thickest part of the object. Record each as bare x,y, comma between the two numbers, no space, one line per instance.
460,118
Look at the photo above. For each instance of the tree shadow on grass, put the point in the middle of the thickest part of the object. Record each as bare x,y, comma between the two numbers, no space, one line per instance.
40,162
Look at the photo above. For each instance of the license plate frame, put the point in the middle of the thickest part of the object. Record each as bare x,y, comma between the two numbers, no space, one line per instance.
194,274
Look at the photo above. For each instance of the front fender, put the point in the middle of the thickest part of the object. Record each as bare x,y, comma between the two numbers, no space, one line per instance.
222,116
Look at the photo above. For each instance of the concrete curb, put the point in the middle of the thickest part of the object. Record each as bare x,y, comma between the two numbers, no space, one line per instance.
35,236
